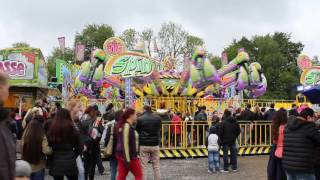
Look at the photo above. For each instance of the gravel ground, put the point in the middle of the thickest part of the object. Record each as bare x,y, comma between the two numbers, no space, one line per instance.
250,168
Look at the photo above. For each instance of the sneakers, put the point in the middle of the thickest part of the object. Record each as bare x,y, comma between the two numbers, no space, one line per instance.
210,172
235,170
224,171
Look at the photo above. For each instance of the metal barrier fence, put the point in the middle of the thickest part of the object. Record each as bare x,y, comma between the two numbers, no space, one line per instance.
193,134
190,104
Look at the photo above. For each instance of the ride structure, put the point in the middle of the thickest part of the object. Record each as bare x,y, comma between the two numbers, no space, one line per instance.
108,70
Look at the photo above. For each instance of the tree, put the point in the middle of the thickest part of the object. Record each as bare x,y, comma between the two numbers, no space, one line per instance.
277,54
130,38
171,40
192,43
215,60
147,36
21,45
93,36
57,54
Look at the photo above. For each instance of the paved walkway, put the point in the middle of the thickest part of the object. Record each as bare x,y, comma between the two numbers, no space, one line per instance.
250,168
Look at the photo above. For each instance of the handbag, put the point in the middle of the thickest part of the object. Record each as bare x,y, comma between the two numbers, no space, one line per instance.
108,149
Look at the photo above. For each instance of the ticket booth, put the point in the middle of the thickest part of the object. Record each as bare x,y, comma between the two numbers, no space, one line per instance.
28,74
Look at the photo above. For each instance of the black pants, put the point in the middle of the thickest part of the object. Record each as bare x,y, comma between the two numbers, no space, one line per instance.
73,177
90,161
317,170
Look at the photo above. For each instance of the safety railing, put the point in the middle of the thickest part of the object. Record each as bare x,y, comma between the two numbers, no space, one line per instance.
193,134
190,104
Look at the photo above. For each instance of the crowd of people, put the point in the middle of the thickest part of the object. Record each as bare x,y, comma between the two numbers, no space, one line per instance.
296,145
69,141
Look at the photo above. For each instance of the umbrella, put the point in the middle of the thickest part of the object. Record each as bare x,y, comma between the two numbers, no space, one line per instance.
313,94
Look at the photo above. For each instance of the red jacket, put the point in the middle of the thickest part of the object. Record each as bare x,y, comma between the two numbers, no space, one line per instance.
176,124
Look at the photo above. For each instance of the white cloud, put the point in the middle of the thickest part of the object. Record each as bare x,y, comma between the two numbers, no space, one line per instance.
218,22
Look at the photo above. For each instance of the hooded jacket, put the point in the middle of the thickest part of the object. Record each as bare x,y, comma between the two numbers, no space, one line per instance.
300,140
229,130
7,148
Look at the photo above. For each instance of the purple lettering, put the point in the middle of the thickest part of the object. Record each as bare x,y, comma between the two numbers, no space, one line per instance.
14,67
21,69
7,67
1,67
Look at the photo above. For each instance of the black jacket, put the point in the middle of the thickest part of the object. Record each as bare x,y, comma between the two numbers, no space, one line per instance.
86,126
109,115
293,112
247,115
7,148
229,130
148,127
300,140
63,159
269,114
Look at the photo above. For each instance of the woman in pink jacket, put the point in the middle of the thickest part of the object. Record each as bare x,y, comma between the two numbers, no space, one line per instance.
275,170
176,127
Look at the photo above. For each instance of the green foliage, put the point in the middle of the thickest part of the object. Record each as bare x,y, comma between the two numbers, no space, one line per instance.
57,54
277,54
93,36
215,60
192,43
130,38
21,45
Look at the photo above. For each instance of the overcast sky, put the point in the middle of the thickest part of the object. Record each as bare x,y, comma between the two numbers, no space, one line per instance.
218,22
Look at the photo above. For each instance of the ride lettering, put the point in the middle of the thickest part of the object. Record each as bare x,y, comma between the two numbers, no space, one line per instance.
132,66
13,68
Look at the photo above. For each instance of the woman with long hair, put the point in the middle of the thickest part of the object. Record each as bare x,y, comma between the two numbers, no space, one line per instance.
112,135
91,133
275,170
65,142
128,146
35,147
75,108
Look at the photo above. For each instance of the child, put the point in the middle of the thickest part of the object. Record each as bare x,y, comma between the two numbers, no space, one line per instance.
213,151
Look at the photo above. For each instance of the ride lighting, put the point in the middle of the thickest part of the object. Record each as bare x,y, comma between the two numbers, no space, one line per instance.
303,88
300,88
307,87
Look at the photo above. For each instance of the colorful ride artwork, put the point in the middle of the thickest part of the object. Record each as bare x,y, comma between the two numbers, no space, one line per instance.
105,75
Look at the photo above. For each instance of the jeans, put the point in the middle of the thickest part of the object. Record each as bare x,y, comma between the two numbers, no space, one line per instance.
213,161
39,175
233,156
99,164
300,176
113,168
80,168
151,153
